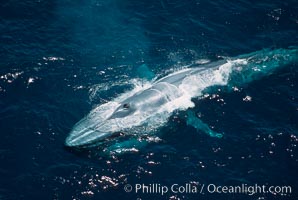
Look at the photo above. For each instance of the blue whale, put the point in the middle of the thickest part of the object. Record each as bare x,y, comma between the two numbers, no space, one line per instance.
147,107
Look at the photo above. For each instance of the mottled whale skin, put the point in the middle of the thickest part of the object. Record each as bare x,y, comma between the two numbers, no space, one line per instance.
129,112
174,92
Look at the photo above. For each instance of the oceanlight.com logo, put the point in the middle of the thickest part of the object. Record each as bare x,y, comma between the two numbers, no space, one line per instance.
249,189
197,188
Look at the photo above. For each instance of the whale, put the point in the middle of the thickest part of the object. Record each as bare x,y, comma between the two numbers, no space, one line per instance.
147,107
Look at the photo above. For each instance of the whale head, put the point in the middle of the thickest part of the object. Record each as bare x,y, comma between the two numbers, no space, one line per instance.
100,124
106,120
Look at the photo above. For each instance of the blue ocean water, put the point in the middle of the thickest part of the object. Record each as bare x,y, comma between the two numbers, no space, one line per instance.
54,53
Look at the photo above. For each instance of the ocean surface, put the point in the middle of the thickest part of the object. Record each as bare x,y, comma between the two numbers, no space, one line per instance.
60,59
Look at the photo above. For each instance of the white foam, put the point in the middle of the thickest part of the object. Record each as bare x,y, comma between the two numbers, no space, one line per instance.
192,86
202,61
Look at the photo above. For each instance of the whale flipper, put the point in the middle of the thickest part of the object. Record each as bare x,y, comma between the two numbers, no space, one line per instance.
199,125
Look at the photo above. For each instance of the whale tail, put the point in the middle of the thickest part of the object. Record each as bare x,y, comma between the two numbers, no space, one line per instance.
261,63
